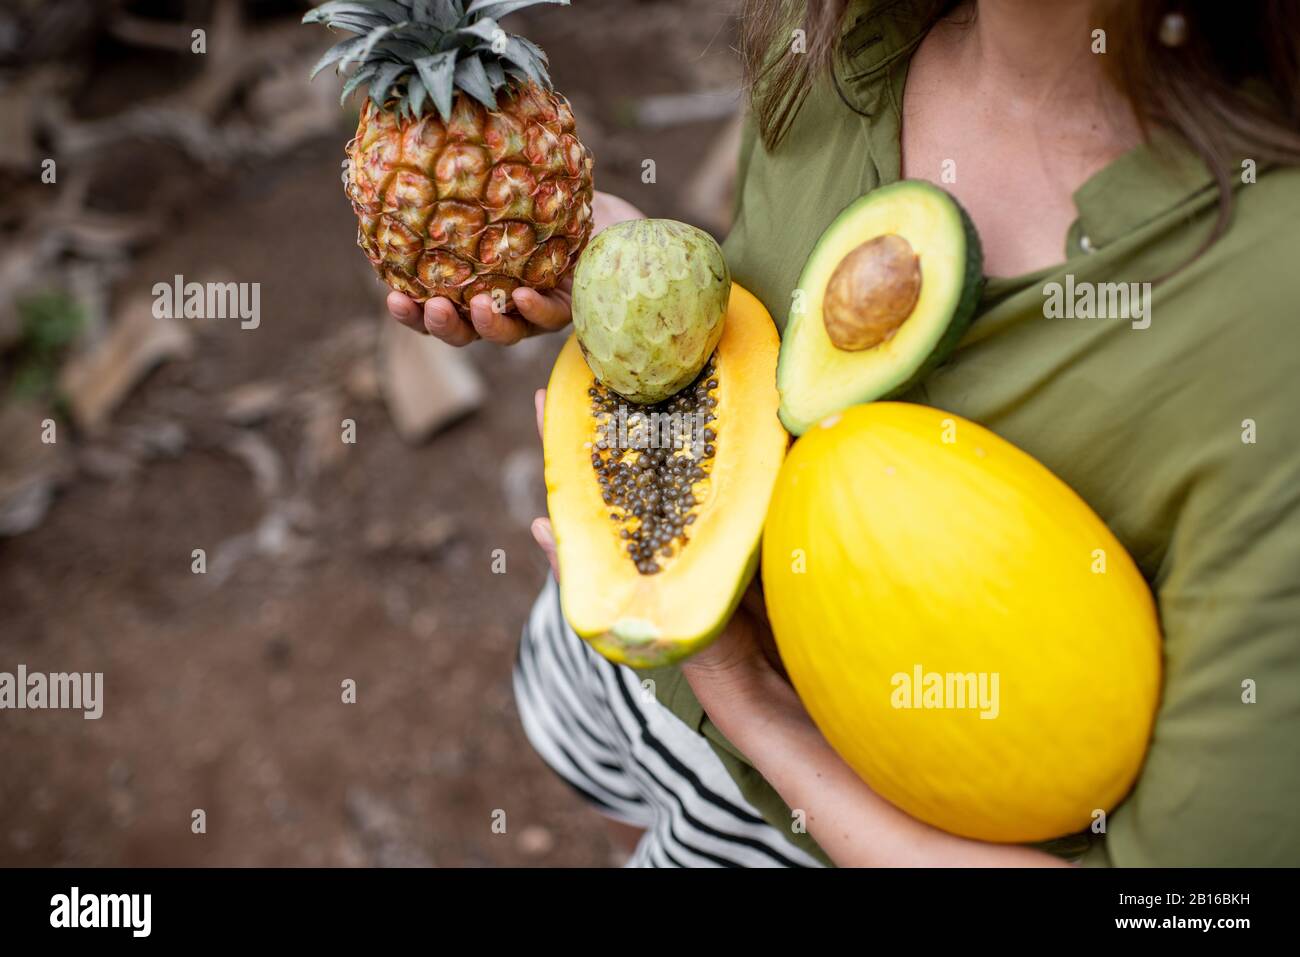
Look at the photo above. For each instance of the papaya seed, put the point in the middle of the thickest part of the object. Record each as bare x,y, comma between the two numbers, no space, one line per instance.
651,486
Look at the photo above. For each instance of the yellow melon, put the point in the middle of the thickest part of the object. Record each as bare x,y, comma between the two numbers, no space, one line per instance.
965,631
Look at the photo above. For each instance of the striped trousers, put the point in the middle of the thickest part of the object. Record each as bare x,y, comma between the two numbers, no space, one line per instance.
631,757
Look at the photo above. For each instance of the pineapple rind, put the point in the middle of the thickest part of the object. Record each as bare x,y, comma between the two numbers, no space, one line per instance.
489,201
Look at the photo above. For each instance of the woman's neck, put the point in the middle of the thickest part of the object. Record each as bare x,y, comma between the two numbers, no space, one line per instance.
1037,57
1028,40
1005,98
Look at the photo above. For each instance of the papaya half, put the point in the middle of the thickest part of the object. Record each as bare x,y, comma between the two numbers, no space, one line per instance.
657,509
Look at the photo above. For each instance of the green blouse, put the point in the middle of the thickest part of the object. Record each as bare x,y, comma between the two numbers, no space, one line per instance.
1184,436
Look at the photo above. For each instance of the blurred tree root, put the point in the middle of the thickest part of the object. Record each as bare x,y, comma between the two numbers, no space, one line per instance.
244,98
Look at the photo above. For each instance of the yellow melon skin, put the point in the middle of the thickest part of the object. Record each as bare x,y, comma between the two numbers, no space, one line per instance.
902,537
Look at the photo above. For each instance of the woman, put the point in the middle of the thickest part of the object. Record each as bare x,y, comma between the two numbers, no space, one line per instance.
1114,142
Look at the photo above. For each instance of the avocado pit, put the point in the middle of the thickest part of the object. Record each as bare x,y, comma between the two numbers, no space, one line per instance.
871,293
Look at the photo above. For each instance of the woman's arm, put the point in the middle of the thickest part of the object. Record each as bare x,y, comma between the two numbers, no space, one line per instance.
758,711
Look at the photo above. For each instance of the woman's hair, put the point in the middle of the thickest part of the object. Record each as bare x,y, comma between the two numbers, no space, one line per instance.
1230,89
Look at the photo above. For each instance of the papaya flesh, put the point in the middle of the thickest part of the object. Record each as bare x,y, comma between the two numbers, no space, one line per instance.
657,511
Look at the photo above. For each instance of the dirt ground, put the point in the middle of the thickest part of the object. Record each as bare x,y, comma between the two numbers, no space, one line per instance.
371,561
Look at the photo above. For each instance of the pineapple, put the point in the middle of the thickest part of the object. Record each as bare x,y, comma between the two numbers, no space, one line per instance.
466,173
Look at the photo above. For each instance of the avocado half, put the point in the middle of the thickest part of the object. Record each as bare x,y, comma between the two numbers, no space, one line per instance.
888,290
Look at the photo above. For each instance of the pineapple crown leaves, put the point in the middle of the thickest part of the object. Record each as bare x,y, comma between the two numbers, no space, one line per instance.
424,51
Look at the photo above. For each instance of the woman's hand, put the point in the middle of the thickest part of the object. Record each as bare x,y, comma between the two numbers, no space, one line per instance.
537,311
541,527
743,660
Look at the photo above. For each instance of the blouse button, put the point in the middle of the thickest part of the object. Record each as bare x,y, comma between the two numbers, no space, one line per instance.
1085,243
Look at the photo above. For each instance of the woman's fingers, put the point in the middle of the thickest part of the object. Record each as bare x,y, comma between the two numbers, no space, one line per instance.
752,603
608,209
545,538
439,318
404,309
443,320
541,527
545,310
500,327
